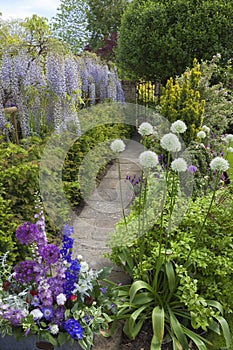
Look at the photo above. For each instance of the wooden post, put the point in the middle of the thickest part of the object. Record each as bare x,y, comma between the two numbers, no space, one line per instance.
12,111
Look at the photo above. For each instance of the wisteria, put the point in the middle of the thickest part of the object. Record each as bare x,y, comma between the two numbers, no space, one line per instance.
49,91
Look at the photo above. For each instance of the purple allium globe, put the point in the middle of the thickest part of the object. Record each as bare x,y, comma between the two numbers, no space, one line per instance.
27,233
50,253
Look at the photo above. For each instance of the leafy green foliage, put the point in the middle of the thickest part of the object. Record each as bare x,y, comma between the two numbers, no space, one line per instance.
170,34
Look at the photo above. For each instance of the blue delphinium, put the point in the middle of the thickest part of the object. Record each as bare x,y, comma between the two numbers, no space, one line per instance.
73,328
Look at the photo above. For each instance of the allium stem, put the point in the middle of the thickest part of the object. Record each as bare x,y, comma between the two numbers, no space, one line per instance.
205,219
121,196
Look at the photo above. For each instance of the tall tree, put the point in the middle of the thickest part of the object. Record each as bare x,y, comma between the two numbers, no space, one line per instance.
104,18
70,24
159,39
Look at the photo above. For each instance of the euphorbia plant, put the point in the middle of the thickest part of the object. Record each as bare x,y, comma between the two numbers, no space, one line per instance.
166,293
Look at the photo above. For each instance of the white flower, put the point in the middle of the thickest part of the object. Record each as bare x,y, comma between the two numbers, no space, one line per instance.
145,129
84,266
148,159
229,138
201,134
80,257
61,299
170,142
54,329
230,149
37,314
219,164
206,129
117,146
178,127
179,165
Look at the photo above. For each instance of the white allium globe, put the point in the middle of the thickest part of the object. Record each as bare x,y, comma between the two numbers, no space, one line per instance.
219,164
206,129
117,146
230,149
170,143
201,134
148,159
229,138
179,165
178,127
145,129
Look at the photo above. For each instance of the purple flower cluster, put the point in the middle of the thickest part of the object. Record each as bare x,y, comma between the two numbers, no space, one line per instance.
50,253
27,233
13,315
73,328
27,271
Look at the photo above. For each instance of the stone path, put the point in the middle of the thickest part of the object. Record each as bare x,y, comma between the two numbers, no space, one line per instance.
103,209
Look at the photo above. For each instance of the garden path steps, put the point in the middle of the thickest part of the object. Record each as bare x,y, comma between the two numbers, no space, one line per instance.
103,209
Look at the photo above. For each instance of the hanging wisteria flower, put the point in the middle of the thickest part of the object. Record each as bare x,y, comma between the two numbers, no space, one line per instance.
145,129
206,129
201,134
148,159
219,164
117,146
229,138
179,165
230,149
170,143
178,127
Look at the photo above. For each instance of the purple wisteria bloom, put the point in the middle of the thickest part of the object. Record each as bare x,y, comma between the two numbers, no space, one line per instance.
27,233
50,253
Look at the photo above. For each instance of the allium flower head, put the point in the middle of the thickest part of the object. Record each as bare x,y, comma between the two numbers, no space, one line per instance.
201,134
170,143
148,159
50,253
27,233
230,149
117,146
229,138
145,129
178,127
192,169
179,165
219,164
206,129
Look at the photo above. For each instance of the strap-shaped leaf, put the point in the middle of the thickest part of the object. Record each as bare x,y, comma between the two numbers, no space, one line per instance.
158,324
171,277
155,343
178,331
225,330
136,286
215,304
197,339
143,298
